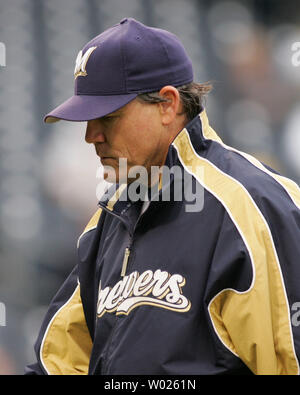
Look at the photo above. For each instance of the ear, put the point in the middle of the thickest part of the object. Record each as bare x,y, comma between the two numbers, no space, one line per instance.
169,108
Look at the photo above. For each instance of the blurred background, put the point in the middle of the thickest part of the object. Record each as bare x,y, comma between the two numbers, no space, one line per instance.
48,174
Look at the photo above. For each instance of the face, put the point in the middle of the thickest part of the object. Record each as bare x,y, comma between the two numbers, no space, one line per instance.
133,134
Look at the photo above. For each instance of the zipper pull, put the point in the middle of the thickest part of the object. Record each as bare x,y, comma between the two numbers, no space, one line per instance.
125,261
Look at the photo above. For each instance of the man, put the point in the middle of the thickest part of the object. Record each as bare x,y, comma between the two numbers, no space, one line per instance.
164,285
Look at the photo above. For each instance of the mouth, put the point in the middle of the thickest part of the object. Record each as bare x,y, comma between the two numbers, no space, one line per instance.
102,156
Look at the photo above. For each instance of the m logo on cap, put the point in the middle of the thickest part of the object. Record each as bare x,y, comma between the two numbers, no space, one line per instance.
81,61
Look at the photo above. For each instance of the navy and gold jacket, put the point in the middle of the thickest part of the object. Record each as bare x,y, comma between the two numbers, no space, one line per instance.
176,291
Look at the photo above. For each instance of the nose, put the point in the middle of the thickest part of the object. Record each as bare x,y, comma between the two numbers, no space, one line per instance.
94,132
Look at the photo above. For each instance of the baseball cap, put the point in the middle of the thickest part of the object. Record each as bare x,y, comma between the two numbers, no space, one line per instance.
114,67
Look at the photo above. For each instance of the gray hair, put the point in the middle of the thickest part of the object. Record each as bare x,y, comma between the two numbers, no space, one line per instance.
191,96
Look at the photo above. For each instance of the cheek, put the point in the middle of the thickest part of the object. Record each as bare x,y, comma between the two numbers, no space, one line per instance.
141,144
138,138
135,140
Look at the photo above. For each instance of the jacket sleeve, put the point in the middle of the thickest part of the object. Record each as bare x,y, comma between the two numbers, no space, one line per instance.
255,274
64,344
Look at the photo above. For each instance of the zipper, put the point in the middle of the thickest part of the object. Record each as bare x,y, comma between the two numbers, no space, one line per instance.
125,261
126,256
128,249
105,367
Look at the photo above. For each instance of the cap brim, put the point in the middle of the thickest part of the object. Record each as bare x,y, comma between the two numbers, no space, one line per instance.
84,107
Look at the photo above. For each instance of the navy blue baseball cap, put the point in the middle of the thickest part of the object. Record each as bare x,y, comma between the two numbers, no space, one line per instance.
120,63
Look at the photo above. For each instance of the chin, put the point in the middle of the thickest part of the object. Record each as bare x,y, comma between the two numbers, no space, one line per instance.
113,176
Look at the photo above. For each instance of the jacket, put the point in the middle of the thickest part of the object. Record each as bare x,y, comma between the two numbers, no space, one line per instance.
175,291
